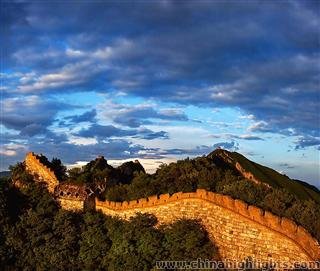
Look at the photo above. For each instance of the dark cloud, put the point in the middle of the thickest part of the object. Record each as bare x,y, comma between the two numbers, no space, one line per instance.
149,135
57,145
232,146
104,131
187,53
243,137
107,131
287,166
135,116
30,115
198,150
246,137
307,141
89,116
259,56
262,127
112,149
34,129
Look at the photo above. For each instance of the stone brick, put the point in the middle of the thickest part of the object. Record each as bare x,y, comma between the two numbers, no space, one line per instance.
133,203
256,214
288,227
241,207
305,239
164,198
152,200
143,202
118,205
201,193
176,196
228,202
125,205
272,220
219,199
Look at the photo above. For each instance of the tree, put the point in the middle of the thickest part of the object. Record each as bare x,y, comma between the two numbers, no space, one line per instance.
278,201
19,173
187,240
73,173
5,250
95,243
135,244
117,193
59,169
63,249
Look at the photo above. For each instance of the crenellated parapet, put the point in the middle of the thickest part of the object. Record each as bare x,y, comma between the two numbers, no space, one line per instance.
41,171
238,229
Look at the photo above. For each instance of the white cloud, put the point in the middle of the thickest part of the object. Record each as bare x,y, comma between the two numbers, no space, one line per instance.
81,140
6,152
249,117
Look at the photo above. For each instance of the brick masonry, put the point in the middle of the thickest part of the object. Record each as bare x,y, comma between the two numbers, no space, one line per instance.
238,230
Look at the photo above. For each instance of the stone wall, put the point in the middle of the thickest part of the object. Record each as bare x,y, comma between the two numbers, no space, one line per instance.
246,174
70,196
237,229
42,172
71,204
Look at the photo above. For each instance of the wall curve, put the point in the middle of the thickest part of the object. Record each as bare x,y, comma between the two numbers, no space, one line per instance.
237,229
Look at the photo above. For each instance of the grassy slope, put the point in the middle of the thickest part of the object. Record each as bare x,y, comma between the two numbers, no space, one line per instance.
275,179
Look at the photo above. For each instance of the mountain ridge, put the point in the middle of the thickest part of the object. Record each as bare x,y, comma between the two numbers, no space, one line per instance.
264,175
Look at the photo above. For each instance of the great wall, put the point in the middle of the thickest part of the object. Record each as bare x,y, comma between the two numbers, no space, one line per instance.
239,230
41,171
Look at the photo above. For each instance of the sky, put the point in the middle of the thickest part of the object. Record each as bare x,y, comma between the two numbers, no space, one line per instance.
162,80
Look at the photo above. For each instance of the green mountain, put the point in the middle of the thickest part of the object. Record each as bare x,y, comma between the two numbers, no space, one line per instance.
263,175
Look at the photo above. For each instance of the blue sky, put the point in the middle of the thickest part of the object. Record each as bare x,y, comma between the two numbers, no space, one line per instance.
162,80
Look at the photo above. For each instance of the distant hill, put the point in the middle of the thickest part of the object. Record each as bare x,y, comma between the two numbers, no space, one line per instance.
262,174
5,173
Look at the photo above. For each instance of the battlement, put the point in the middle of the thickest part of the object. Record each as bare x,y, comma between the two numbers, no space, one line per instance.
286,227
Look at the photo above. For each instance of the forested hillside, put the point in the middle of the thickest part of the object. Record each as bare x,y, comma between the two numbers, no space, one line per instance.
35,234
